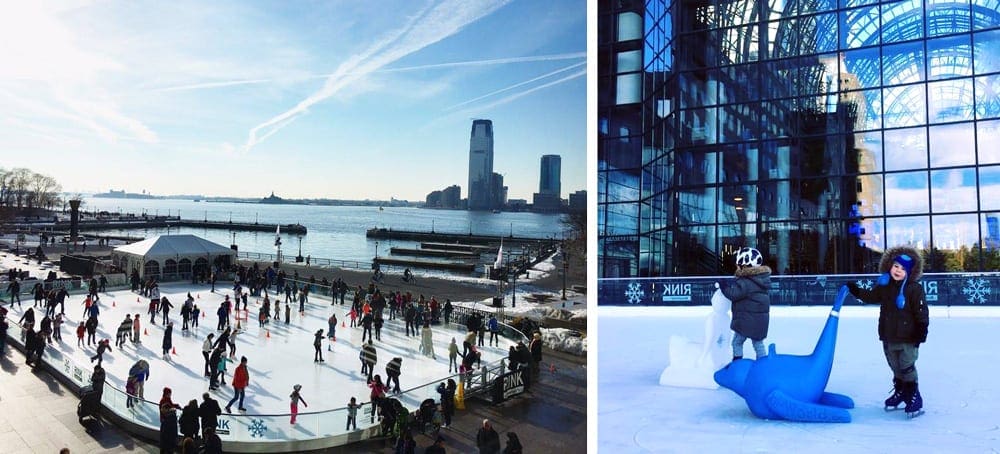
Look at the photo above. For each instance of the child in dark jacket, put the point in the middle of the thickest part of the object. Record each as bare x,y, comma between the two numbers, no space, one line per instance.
902,322
751,303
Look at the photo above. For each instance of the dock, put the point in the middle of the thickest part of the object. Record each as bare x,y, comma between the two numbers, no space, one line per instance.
433,253
162,222
460,238
457,247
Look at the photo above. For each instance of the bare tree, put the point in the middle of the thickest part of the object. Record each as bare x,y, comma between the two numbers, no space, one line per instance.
19,180
43,191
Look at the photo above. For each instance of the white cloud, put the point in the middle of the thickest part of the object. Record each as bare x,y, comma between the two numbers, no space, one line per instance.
64,80
425,28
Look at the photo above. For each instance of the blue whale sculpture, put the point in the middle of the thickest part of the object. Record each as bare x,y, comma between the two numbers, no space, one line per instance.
792,387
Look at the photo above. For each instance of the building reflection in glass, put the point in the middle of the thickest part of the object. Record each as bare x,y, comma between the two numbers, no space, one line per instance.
818,131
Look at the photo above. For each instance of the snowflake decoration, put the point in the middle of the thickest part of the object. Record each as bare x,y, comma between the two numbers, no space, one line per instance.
976,290
866,284
634,294
257,428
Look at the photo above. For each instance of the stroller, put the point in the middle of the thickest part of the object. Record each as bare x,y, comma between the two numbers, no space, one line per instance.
90,397
427,418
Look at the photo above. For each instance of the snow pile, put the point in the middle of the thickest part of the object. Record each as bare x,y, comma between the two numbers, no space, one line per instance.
564,340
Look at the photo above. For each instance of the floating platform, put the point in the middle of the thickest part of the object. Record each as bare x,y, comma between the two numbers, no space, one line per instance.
172,222
461,238
434,253
431,264
457,247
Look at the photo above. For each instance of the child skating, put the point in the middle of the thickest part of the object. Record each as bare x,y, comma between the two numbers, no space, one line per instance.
296,397
751,303
352,414
902,322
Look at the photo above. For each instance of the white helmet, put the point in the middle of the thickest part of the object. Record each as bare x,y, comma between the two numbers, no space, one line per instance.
749,256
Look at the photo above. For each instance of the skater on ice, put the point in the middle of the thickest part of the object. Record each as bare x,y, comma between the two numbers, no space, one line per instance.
751,302
296,397
902,323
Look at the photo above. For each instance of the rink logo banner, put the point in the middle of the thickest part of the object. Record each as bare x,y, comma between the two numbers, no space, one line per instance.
953,289
508,385
223,427
675,292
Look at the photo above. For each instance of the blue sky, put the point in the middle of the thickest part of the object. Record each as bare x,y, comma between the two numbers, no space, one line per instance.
336,99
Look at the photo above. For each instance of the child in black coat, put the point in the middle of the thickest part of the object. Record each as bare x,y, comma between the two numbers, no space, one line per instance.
751,303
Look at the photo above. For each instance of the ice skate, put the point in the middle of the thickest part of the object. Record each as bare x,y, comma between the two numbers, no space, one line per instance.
915,403
897,397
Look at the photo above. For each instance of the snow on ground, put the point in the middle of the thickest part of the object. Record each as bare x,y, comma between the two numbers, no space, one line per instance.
276,363
957,368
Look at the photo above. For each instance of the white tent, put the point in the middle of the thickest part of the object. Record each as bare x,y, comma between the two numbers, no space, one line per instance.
172,257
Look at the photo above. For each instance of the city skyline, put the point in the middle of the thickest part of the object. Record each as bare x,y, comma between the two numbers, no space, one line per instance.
326,100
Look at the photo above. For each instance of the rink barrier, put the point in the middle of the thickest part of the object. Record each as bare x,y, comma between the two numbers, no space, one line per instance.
942,289
257,432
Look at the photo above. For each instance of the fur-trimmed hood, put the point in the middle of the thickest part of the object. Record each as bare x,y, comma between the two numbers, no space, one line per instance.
890,254
752,271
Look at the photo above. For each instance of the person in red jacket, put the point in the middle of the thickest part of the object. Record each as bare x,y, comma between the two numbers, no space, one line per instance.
241,378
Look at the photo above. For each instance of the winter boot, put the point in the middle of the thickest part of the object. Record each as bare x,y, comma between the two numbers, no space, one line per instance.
914,403
736,358
898,395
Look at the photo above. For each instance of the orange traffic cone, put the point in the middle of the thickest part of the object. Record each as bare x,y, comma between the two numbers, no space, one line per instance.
199,296
174,352
552,368
202,315
268,334
137,299
343,325
145,332
113,304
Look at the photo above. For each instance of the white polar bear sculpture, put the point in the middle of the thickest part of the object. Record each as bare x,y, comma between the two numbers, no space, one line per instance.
693,365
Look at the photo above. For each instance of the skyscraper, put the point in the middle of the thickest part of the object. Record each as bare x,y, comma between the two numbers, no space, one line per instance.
481,165
549,182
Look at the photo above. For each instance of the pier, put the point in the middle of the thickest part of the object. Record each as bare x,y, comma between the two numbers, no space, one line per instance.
461,238
433,253
162,222
457,247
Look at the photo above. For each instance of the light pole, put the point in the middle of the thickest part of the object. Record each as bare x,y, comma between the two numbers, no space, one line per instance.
565,260
513,282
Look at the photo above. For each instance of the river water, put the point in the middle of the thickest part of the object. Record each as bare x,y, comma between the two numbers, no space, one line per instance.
335,232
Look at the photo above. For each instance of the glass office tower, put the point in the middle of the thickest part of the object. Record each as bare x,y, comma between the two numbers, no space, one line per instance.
818,131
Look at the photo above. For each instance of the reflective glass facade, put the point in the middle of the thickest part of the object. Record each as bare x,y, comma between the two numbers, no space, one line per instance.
818,131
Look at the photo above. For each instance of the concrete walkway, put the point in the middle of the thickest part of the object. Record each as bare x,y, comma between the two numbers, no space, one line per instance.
38,414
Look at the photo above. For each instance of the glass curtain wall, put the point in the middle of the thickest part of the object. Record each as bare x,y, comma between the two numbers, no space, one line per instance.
818,131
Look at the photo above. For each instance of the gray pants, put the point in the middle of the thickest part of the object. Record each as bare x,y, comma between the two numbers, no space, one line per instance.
739,339
902,359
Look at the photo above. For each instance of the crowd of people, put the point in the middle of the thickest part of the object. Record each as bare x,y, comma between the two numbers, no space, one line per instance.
370,310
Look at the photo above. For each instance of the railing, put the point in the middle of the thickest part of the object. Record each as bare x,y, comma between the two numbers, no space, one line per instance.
313,261
955,289
263,432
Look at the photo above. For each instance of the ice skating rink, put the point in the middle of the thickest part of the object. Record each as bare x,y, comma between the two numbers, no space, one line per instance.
957,370
275,363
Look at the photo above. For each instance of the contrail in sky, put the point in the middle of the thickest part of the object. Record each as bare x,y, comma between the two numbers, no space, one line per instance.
428,27
458,64
575,65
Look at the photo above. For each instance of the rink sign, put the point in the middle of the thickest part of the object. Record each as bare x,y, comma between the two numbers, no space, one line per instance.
952,289
509,385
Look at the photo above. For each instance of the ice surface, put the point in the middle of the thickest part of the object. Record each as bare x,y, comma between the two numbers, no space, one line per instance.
275,364
957,368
